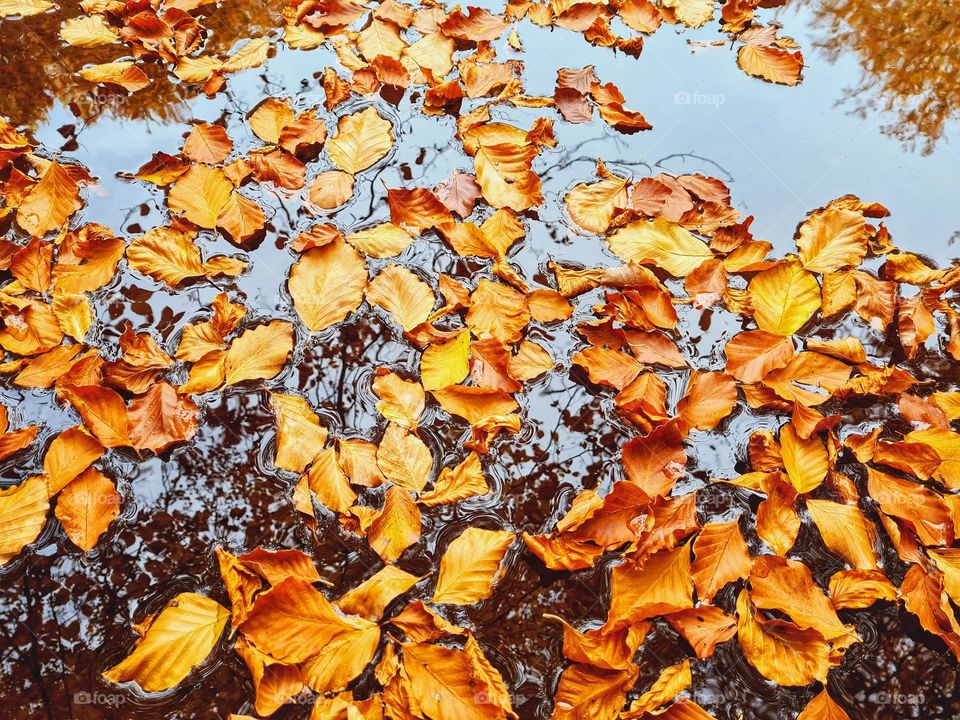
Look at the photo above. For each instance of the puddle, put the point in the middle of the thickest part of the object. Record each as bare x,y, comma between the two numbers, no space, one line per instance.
65,618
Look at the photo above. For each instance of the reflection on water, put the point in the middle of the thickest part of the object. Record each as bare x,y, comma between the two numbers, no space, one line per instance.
64,618
908,53
42,69
910,56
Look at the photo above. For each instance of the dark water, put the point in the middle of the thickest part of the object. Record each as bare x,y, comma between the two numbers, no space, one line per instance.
64,618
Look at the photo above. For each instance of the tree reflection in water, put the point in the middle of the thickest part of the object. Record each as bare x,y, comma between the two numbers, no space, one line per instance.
910,58
42,70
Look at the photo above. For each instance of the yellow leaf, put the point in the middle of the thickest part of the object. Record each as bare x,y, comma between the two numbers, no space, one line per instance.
671,682
327,481
464,481
371,597
329,190
832,240
103,411
444,684
300,436
823,707
692,13
531,361
252,54
124,74
587,692
23,513
70,453
380,38
404,458
845,531
475,405
784,298
446,363
660,586
292,621
166,254
779,650
74,314
362,139
270,118
471,565
401,401
721,557
207,143
404,295
661,243
381,241
503,158
787,586
327,284
804,460
397,527
179,638
593,205
259,353
24,8
498,312
88,31
200,195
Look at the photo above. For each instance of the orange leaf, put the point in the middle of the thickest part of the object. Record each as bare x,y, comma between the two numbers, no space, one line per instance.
86,507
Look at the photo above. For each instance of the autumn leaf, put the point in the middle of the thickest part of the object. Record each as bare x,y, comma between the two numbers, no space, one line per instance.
103,412
401,293
161,418
593,206
753,354
172,256
86,507
779,650
721,557
659,586
200,195
832,240
444,683
23,513
371,597
471,565
823,707
397,526
259,353
661,243
51,202
362,139
207,143
327,284
300,435
586,691
784,298
401,401
174,642
446,363
771,63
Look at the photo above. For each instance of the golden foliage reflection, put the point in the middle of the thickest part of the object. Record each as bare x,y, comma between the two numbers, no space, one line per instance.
910,58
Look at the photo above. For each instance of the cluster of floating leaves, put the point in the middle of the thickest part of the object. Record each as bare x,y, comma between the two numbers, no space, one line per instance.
881,501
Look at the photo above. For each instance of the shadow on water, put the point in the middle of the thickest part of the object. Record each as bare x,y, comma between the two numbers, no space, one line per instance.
64,618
